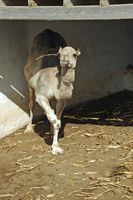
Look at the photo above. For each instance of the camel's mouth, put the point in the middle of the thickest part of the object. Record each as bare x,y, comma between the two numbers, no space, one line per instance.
66,64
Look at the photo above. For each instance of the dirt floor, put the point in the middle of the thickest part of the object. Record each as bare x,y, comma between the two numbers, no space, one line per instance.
97,163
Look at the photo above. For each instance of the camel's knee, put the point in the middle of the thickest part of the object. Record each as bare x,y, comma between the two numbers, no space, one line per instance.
51,116
57,124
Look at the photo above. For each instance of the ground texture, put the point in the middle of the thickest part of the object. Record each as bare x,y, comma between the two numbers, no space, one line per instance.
97,163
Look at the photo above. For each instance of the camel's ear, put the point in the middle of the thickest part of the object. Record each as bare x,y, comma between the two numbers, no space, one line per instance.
78,52
60,50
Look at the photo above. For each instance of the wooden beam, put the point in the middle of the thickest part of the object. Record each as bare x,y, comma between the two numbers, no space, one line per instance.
2,3
32,3
104,2
67,3
58,13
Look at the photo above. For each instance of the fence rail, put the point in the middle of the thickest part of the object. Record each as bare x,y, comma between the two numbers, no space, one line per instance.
58,13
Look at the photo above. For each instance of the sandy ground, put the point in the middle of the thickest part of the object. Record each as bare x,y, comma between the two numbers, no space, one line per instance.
97,163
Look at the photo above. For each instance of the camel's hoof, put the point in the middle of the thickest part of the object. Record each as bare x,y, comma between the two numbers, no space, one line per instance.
56,150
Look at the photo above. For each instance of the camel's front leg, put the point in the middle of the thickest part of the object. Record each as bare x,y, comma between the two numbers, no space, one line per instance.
44,103
61,104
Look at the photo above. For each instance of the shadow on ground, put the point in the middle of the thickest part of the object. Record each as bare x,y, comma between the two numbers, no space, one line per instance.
114,110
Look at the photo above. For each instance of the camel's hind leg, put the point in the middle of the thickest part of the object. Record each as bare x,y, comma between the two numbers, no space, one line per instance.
29,127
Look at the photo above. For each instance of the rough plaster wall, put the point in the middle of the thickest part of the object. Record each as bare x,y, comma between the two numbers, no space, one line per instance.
13,53
106,48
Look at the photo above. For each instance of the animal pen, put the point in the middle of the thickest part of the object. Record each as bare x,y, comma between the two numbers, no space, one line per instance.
103,31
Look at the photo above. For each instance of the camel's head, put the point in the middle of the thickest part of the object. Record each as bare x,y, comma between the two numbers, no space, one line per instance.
68,56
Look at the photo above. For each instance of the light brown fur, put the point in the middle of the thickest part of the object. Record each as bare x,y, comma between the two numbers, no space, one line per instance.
49,83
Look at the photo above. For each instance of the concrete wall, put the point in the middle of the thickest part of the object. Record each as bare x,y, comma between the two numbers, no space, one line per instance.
13,56
106,48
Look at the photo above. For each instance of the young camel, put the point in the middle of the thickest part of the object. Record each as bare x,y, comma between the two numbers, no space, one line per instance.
45,43
56,83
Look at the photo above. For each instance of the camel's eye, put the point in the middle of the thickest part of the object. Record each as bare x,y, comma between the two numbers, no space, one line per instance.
75,55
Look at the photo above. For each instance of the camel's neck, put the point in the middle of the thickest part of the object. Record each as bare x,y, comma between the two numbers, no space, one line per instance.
66,83
67,75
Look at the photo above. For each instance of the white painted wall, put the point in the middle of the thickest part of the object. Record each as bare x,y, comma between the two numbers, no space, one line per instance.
106,48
